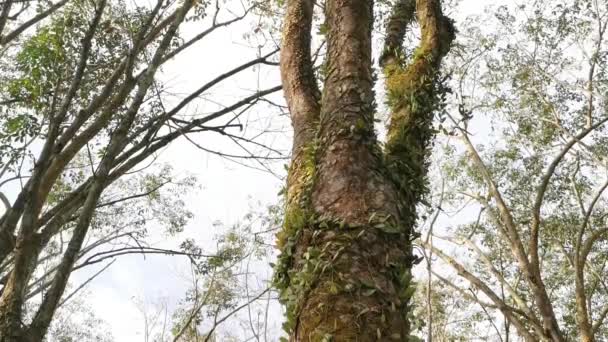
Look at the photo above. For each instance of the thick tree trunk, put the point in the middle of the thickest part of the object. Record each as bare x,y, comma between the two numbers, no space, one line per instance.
345,268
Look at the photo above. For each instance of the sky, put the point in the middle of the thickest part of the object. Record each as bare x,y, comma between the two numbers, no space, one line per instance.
228,191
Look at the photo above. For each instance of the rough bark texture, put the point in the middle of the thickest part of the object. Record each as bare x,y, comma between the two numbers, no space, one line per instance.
344,272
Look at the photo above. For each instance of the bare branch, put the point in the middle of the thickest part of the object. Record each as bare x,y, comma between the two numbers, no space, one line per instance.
506,310
237,309
36,19
540,193
81,286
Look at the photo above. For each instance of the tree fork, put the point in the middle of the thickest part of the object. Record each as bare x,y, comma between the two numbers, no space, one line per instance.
344,272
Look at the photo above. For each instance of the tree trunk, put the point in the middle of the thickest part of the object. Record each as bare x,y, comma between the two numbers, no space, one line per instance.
582,314
344,272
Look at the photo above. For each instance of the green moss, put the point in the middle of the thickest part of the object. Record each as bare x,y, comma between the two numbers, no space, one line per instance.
298,211
415,94
298,215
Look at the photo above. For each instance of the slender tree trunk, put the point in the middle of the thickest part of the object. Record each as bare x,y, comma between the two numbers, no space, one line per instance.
345,268
582,314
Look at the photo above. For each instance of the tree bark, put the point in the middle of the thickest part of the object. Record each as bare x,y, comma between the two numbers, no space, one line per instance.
344,272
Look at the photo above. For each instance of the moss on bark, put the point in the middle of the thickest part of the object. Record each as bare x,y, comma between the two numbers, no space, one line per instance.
344,272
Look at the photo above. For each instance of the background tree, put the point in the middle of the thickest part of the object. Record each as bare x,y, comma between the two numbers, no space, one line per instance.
225,285
76,321
525,171
83,108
